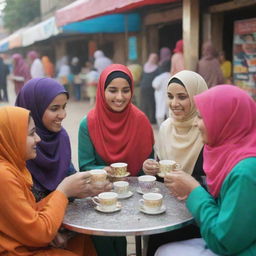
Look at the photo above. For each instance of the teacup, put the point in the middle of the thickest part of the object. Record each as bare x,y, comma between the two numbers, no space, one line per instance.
107,201
152,202
146,183
98,177
119,169
166,166
121,187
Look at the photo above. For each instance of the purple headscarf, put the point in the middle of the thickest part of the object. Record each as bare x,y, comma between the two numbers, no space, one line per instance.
53,158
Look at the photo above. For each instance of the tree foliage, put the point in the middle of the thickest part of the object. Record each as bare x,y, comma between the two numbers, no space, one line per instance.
18,13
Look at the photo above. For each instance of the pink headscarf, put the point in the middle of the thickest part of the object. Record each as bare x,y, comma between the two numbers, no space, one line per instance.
229,115
152,63
32,55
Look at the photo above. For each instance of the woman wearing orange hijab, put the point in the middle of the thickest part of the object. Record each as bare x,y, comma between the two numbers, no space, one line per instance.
26,227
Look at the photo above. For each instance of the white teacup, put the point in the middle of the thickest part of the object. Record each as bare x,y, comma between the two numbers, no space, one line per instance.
166,166
98,177
119,169
152,202
146,183
121,187
107,201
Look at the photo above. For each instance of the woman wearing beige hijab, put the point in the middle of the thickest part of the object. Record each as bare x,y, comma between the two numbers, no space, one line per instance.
179,140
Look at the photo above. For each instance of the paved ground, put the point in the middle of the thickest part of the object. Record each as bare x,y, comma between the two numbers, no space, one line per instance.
75,112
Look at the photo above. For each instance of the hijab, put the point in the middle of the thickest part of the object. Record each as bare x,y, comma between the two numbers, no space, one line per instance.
229,115
165,55
119,136
20,67
53,159
152,63
180,140
178,47
13,136
209,51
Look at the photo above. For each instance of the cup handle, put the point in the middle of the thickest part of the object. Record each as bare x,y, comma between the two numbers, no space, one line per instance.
141,202
96,200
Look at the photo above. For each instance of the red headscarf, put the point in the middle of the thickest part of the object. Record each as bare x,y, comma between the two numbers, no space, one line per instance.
229,115
178,46
125,136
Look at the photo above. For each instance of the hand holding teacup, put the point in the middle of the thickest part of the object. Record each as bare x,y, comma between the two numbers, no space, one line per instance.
180,184
151,167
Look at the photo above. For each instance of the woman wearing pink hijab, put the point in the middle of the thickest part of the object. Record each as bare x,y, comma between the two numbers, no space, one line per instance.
225,214
177,61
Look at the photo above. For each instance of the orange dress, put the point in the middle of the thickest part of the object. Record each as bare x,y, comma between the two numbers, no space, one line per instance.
27,227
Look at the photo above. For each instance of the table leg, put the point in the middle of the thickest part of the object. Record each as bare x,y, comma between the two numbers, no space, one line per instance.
138,245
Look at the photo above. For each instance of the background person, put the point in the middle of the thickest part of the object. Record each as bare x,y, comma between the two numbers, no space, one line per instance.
114,131
4,72
159,84
225,215
177,59
36,66
21,72
209,66
147,98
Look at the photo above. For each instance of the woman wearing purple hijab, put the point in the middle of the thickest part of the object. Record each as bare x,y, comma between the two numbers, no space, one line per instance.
47,99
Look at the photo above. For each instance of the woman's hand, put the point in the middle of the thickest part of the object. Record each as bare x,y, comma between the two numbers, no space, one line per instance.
76,185
94,190
180,184
150,167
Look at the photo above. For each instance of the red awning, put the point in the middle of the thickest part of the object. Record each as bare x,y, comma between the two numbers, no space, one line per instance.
85,9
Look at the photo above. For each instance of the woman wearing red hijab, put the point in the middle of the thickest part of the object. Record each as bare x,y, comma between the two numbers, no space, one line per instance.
114,131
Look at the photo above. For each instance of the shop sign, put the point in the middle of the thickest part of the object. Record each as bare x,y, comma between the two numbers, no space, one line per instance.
244,55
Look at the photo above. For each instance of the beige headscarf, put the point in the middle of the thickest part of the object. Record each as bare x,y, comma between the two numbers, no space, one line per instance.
180,140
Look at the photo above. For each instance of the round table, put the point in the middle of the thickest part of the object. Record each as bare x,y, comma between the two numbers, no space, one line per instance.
83,218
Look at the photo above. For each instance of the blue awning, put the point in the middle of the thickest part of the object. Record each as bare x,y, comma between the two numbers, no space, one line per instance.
114,23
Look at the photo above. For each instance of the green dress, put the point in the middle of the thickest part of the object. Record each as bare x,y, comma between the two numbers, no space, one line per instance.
89,159
228,224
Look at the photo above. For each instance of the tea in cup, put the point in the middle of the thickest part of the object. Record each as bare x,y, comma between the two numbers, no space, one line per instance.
121,187
146,183
152,202
107,201
98,177
166,166
119,169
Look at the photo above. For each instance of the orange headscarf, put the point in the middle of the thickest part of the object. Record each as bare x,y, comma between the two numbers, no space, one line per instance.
48,66
13,136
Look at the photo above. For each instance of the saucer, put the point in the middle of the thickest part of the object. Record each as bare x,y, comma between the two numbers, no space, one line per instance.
123,176
127,195
153,190
118,208
161,210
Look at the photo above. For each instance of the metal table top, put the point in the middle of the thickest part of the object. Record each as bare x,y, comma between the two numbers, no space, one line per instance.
83,218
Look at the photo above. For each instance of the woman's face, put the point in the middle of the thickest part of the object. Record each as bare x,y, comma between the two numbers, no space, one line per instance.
179,102
32,140
118,94
55,113
201,126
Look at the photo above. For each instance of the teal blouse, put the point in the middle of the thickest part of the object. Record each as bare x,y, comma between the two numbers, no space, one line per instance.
228,224
88,157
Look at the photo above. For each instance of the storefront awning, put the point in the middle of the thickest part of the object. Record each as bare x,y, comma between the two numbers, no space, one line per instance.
40,31
85,9
113,23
